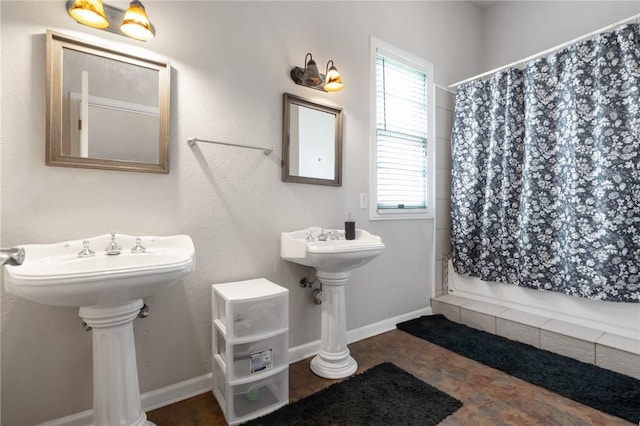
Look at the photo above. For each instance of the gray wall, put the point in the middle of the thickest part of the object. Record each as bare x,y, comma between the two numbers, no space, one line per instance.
517,29
230,67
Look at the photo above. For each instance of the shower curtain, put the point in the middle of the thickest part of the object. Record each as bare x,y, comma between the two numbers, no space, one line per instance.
546,172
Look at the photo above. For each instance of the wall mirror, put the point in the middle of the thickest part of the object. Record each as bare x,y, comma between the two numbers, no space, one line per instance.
311,142
105,109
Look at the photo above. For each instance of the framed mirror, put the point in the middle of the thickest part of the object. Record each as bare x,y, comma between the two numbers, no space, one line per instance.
106,109
311,142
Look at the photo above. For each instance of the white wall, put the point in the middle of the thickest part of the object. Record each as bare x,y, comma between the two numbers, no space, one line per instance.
231,62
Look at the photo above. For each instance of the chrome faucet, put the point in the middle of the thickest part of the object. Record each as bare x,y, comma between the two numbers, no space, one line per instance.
138,248
112,248
322,236
86,250
12,256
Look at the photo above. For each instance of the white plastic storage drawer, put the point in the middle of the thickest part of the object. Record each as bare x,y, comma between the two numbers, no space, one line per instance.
253,358
246,401
249,308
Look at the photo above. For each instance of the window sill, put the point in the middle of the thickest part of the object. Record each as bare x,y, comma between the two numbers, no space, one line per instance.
401,216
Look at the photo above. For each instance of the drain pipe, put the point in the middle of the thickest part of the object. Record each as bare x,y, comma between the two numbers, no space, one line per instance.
316,294
306,283
144,311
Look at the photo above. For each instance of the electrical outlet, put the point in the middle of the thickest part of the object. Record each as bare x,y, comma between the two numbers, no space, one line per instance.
363,201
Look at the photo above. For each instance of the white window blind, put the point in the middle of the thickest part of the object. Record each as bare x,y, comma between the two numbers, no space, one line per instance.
401,136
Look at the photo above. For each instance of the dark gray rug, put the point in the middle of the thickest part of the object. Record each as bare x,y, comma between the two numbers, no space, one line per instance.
602,389
383,395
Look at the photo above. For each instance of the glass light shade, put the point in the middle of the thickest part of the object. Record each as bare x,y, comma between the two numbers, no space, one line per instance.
136,24
333,81
89,12
311,75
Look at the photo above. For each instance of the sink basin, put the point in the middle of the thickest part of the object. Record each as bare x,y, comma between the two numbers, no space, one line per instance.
333,261
109,290
53,274
331,255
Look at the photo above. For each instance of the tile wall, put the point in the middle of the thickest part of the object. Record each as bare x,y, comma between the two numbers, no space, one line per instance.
444,121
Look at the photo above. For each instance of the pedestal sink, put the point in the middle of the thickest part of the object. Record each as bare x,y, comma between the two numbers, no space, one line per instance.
108,289
333,260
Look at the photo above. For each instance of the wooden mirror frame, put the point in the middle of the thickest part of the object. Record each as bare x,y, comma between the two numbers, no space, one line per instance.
289,100
55,44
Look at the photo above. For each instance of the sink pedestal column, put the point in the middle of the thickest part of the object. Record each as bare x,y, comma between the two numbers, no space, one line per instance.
333,360
116,393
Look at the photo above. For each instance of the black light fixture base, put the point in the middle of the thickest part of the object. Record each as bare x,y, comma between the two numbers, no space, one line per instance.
296,76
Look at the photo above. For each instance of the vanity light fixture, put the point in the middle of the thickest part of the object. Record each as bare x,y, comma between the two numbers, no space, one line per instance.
311,77
333,81
134,22
88,12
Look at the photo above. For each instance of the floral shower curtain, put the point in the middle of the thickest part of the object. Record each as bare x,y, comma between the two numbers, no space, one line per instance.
546,172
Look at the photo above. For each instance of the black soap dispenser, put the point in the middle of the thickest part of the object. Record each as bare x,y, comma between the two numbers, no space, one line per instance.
349,229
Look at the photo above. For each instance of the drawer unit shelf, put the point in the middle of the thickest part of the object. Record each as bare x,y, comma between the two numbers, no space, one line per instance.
248,308
259,336
250,358
244,401
253,357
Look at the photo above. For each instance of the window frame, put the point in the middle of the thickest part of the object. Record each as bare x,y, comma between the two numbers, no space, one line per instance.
399,55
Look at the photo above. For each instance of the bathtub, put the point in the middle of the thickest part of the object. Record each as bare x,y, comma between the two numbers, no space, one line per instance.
622,319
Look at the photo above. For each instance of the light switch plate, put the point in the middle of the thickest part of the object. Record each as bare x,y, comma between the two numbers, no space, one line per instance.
363,201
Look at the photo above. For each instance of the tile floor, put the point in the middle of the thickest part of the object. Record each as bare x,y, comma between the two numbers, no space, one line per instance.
490,397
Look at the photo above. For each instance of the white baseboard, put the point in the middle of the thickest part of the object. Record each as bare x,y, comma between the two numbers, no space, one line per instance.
180,391
298,353
79,419
176,392
149,400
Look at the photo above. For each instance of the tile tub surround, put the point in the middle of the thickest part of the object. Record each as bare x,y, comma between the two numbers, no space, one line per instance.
607,350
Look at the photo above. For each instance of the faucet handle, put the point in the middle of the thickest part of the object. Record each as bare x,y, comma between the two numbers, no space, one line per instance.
333,235
86,251
308,237
138,248
113,248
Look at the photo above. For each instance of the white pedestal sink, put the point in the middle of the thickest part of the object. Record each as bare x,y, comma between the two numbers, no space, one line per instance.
333,261
109,290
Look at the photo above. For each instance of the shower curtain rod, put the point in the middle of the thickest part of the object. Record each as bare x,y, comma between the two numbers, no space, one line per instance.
548,51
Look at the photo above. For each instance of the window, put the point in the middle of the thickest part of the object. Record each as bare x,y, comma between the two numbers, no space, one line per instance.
402,134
